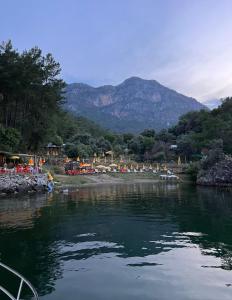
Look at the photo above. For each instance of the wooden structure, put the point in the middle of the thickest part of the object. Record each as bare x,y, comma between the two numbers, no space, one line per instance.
53,150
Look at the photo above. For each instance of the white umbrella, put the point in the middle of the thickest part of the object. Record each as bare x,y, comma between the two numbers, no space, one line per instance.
101,167
113,165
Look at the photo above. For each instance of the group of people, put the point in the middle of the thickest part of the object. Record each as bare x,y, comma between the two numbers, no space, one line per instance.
20,169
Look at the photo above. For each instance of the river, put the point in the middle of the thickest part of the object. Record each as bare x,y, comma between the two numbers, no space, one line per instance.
127,242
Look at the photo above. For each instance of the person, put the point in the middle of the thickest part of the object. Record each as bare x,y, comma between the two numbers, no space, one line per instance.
50,184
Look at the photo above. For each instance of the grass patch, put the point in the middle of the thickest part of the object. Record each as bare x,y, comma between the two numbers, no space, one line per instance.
71,180
131,176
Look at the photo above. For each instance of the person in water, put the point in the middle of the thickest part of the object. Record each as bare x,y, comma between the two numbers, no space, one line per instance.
50,184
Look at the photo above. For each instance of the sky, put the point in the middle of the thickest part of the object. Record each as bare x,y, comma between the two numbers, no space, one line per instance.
186,45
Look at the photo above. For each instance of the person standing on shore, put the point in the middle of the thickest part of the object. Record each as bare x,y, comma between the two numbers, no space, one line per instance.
50,184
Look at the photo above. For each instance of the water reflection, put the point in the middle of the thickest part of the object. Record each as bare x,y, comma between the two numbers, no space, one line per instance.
127,241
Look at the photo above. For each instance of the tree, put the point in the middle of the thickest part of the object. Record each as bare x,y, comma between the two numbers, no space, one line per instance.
31,93
10,138
148,133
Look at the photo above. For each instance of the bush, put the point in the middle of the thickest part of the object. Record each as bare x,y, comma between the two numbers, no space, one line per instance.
212,158
193,170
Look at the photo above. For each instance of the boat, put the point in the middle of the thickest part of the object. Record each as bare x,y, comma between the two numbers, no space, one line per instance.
22,282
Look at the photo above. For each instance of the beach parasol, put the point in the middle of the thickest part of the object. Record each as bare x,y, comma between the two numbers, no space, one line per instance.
31,162
113,165
85,165
101,167
14,157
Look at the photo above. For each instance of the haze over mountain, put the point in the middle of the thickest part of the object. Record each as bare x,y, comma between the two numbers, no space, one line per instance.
213,103
132,106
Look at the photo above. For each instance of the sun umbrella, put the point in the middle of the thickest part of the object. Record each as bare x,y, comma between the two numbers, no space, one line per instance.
85,165
31,162
113,165
14,157
100,167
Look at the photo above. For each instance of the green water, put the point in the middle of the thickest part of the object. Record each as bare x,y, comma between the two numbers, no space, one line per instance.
146,241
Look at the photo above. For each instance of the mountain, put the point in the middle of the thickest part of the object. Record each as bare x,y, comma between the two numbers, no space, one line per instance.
132,106
213,103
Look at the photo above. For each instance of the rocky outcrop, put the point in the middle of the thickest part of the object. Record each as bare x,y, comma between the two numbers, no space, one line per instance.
132,106
12,183
220,174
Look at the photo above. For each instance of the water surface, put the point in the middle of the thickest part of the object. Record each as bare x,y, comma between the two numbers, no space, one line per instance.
142,241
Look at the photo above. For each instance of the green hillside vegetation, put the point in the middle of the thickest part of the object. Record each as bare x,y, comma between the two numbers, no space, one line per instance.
197,132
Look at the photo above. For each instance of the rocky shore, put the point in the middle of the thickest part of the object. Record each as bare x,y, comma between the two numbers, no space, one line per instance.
13,184
220,174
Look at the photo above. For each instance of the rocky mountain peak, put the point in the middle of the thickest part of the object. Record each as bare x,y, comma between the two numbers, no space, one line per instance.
131,106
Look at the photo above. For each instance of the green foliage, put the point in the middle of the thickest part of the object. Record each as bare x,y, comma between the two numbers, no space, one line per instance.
10,138
215,154
30,93
127,137
79,150
166,136
186,145
148,143
193,170
148,133
110,137
197,130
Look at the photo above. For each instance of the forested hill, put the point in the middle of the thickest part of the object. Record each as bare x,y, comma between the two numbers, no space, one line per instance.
132,106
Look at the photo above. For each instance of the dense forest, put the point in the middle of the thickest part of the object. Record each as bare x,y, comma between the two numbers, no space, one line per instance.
32,115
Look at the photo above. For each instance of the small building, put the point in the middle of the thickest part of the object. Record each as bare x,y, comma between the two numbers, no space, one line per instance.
53,150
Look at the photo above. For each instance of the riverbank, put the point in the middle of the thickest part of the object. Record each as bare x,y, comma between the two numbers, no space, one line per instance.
19,183
64,181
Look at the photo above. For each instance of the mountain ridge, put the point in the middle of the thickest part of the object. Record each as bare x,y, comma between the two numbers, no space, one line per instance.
131,106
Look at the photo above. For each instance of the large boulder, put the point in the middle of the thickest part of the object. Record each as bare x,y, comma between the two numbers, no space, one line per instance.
220,174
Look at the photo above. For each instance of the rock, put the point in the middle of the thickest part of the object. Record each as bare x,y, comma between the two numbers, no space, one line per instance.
220,174
11,183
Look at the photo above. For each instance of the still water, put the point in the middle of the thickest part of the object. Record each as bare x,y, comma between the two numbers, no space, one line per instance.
143,241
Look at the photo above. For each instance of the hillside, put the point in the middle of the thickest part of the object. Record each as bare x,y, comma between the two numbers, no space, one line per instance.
131,106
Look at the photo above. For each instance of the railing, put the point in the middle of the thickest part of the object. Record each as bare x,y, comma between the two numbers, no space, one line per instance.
22,282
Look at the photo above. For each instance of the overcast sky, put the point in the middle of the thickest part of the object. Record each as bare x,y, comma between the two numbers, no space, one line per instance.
184,44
